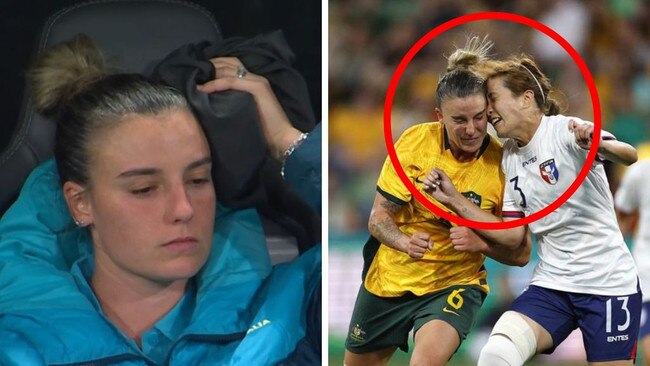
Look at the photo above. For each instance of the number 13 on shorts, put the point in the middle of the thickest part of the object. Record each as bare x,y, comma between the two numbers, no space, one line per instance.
621,321
608,320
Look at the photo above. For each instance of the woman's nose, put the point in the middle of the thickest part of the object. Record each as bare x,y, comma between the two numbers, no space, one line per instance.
180,208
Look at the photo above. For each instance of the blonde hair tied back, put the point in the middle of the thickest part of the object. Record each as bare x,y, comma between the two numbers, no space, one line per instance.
475,51
64,72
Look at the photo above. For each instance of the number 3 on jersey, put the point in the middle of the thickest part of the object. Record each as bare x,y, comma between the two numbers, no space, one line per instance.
515,181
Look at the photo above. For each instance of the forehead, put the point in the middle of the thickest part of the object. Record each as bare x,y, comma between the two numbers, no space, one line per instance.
165,136
469,105
495,84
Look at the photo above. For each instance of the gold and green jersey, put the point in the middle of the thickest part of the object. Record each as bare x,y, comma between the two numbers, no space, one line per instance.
389,272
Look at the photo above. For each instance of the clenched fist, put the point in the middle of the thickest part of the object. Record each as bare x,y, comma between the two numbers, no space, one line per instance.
418,245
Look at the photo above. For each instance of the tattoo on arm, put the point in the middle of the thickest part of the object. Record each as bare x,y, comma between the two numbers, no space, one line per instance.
387,232
391,207
383,226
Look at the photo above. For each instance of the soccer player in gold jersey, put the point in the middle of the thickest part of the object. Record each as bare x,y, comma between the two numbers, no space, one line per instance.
414,276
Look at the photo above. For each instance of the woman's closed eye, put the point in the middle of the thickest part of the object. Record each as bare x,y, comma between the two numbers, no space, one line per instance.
200,181
143,191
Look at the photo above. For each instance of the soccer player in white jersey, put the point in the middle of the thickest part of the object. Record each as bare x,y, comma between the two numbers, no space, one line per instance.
631,198
586,277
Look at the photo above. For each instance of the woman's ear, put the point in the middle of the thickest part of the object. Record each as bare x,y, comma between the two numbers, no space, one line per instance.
76,197
528,99
438,113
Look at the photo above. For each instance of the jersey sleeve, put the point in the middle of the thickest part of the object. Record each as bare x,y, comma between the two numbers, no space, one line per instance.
389,184
627,196
605,136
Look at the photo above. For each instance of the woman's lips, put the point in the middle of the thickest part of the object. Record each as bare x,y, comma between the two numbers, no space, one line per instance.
181,244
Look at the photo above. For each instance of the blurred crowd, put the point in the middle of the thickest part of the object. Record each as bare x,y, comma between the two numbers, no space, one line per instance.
368,39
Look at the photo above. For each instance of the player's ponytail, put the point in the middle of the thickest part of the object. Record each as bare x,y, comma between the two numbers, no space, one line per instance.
464,76
475,51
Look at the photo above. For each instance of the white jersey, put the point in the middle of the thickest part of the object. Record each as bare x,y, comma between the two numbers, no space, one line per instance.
581,248
630,197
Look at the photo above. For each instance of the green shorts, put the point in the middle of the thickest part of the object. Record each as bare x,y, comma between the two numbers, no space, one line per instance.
382,322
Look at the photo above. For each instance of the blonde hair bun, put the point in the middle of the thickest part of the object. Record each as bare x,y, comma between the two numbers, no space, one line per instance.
63,72
475,51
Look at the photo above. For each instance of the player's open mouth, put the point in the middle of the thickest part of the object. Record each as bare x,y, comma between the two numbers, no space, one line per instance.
495,120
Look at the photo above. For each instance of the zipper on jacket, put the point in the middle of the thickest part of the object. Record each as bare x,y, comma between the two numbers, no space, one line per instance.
109,361
220,338
211,338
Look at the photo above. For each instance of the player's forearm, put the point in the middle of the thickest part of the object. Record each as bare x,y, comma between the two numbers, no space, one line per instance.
519,256
468,210
618,152
384,229
508,238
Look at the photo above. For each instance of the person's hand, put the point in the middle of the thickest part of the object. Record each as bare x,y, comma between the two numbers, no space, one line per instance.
418,244
438,185
230,74
583,133
465,239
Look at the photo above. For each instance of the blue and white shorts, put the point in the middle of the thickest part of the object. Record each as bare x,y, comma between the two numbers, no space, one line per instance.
609,324
645,321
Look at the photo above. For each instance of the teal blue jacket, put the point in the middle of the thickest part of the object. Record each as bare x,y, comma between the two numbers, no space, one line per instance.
247,312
